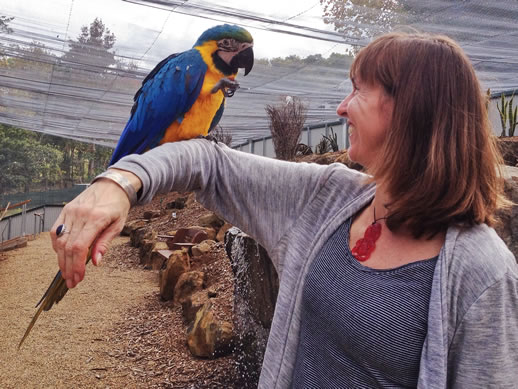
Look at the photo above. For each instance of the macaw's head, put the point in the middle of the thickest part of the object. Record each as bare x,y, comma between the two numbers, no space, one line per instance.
232,48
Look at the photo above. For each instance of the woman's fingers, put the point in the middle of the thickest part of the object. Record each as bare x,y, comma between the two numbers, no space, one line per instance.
101,244
96,214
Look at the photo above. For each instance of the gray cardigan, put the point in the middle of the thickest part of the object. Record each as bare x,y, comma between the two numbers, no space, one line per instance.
292,209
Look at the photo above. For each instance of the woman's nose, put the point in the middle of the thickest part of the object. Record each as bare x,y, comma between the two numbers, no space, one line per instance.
341,110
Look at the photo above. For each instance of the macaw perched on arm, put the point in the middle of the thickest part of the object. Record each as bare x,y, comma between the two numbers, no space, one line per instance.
183,97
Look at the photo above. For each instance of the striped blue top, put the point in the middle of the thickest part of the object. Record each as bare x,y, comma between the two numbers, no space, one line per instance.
361,327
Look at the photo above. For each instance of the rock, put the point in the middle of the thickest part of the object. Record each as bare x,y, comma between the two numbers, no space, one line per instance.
159,256
191,199
146,248
211,220
202,248
211,233
212,292
209,338
179,203
507,226
220,236
14,243
193,303
188,283
151,214
509,149
133,225
187,237
177,264
200,236
138,235
255,292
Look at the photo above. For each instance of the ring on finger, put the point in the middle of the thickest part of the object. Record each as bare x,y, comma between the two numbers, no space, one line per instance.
61,230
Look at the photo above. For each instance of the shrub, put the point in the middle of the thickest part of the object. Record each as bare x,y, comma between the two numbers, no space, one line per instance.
286,122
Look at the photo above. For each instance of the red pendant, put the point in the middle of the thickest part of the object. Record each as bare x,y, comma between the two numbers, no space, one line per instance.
366,245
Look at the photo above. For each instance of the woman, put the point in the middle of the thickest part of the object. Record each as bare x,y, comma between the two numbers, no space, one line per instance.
392,279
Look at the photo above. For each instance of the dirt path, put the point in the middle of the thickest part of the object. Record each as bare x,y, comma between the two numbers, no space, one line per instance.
70,345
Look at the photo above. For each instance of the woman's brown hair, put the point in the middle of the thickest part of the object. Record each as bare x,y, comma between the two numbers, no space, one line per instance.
440,161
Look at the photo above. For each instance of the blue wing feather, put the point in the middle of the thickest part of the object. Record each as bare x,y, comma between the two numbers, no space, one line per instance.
217,116
167,93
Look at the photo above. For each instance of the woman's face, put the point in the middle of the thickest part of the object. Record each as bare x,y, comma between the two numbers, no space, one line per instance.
368,110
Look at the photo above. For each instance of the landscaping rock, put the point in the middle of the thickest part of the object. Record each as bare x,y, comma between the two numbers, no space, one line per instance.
220,236
177,264
202,248
208,337
129,227
139,235
158,257
193,303
211,220
179,203
188,283
151,214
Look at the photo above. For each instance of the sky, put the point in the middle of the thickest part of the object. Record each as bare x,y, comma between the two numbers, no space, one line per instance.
155,33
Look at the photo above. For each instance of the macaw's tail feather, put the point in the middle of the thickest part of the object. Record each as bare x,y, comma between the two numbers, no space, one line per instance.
55,292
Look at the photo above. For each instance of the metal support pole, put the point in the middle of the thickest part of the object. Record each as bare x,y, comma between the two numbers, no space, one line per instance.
24,219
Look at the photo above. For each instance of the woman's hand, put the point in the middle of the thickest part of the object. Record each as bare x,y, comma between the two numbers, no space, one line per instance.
94,217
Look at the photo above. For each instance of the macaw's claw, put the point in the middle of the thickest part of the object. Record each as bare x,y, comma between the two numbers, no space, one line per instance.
55,292
227,86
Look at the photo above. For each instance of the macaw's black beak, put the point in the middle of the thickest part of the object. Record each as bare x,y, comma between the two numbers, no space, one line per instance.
243,60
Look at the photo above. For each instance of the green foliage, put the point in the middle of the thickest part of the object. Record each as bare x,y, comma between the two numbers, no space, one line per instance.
333,140
32,161
24,161
334,60
36,58
303,149
327,143
323,146
508,114
93,46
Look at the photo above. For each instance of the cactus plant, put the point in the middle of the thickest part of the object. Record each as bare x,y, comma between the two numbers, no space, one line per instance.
512,117
333,140
508,113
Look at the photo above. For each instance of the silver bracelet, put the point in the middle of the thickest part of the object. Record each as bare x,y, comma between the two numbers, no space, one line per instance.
122,181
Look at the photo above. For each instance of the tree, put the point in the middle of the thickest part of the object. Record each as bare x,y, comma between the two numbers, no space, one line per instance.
362,18
92,47
33,57
26,163
4,24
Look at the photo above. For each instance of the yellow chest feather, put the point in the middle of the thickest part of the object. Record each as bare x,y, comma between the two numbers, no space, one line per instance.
198,119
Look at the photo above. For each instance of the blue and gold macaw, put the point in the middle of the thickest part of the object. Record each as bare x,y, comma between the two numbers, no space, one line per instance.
184,95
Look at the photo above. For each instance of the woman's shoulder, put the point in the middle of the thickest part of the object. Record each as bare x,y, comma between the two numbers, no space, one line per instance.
481,242
477,258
